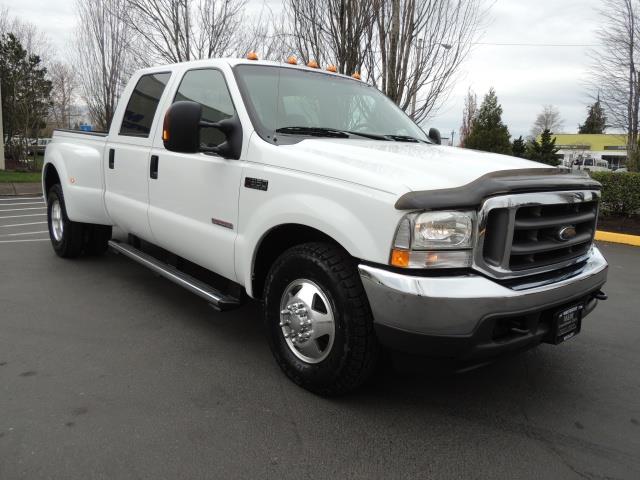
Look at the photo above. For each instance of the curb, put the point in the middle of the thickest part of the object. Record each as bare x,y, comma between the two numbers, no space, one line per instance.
618,238
20,189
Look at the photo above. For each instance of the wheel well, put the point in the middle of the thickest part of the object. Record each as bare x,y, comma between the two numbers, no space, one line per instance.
275,242
51,177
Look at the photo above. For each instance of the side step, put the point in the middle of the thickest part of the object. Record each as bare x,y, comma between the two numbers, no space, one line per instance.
217,299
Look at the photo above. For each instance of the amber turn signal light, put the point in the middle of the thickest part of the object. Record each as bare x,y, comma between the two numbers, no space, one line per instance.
400,258
252,55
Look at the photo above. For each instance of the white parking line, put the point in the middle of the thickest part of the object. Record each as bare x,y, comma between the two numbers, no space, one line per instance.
19,209
20,234
9,201
20,203
24,241
23,224
29,215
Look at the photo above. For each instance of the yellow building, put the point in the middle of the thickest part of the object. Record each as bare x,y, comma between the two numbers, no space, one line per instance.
578,148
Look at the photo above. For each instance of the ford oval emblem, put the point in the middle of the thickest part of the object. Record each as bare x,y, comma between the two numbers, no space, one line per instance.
567,233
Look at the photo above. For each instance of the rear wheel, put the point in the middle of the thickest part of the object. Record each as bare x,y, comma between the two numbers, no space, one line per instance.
66,235
318,319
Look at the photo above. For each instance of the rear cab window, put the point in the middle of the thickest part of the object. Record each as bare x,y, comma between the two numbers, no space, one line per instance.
143,104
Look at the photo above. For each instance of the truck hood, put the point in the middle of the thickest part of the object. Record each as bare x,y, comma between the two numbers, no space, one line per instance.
398,167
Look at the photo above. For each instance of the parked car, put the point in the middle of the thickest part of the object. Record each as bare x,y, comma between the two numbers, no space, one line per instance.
589,164
38,145
314,194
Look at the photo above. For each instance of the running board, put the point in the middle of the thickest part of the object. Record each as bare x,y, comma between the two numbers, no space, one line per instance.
217,299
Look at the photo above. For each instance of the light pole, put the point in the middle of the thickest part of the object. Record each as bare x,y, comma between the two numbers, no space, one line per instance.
2,166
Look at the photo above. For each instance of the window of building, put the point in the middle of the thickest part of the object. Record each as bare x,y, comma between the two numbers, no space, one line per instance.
142,106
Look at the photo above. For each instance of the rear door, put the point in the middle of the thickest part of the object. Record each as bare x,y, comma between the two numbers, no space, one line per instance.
193,198
127,155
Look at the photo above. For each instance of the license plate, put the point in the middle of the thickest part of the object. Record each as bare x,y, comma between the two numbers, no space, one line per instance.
567,323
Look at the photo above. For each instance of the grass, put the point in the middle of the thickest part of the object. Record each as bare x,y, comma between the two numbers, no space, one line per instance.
7,176
16,176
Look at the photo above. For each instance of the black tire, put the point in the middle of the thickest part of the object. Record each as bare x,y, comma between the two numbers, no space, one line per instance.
97,241
353,356
69,243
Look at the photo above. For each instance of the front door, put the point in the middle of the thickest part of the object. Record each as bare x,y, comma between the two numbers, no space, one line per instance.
193,198
126,162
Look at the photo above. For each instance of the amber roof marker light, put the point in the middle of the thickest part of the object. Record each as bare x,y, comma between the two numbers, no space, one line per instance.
332,69
292,60
313,64
252,55
356,75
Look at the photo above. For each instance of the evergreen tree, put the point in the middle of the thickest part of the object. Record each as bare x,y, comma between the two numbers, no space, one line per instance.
545,150
596,119
25,95
519,147
488,133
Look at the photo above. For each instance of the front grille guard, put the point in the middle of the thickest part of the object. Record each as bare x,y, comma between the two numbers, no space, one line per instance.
501,270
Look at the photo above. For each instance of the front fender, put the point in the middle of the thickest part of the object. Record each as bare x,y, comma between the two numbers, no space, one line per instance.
363,223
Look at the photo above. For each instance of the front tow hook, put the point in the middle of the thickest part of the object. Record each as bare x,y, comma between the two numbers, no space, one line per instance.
600,295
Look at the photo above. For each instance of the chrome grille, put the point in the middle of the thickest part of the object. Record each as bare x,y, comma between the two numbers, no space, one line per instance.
533,233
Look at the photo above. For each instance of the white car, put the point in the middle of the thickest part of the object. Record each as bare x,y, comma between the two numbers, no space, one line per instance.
315,194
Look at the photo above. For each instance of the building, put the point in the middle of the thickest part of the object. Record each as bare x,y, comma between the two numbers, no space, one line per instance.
574,147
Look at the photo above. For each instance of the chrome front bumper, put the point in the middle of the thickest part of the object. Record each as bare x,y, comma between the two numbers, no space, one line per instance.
457,305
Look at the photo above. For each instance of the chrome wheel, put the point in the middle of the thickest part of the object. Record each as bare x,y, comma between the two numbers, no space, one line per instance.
307,321
57,223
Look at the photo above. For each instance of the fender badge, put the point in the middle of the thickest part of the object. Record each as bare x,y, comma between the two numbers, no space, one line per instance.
222,223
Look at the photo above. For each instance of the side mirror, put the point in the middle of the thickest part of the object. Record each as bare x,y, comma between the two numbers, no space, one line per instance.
181,131
434,135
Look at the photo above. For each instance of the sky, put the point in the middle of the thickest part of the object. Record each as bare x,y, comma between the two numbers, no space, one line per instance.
525,77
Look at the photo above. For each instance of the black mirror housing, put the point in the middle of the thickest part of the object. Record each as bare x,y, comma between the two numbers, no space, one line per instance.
434,135
181,127
181,131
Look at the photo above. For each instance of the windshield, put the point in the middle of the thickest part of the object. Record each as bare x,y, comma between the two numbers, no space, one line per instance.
280,98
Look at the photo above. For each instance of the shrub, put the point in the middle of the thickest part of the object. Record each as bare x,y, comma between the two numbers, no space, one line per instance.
620,192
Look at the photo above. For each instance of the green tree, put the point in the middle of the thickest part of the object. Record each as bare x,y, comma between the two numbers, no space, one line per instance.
519,147
596,121
25,95
545,150
488,133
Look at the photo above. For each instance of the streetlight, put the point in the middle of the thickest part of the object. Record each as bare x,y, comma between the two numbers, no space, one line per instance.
420,48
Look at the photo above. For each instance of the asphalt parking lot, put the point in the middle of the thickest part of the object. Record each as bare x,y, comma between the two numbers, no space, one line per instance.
107,371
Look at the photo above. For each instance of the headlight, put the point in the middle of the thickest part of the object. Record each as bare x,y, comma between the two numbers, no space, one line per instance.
438,230
440,239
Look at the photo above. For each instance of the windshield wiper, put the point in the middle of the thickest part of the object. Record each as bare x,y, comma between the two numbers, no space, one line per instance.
405,138
329,132
314,132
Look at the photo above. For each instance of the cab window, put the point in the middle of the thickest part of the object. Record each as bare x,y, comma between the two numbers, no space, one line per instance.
143,104
208,88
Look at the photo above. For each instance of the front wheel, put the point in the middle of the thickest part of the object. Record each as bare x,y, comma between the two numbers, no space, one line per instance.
318,319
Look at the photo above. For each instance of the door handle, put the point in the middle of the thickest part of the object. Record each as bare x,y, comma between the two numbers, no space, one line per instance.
153,167
112,158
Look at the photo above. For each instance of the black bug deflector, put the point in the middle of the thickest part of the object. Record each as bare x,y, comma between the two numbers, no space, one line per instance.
497,183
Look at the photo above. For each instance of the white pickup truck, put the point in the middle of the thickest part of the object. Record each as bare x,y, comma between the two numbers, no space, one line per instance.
314,194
